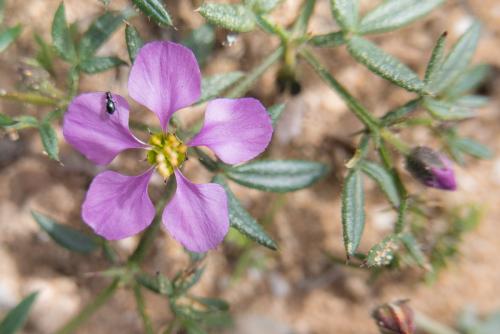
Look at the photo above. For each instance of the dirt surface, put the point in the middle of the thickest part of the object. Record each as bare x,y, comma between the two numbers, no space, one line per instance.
297,289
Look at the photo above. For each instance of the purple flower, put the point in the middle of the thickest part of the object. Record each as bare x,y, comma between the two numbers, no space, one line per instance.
165,78
431,168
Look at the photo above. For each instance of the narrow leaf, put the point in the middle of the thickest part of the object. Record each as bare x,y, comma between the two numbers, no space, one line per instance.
400,114
472,101
241,220
414,249
61,36
384,179
232,17
8,36
384,64
446,111
100,64
215,85
346,13
99,32
45,54
353,211
473,148
66,236
275,112
468,81
133,40
457,60
437,58
382,253
49,140
6,121
155,10
393,14
277,175
23,122
330,40
16,317
213,303
202,42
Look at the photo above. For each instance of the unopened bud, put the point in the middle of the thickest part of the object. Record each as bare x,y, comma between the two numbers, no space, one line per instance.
395,318
431,168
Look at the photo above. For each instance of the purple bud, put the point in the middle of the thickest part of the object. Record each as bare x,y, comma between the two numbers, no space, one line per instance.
395,318
431,168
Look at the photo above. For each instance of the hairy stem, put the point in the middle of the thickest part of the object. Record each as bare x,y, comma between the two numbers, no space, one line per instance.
141,308
90,309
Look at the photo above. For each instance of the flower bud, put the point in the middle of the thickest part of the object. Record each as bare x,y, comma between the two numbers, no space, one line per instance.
395,318
431,168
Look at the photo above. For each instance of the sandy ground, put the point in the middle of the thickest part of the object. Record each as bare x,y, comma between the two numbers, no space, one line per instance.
295,290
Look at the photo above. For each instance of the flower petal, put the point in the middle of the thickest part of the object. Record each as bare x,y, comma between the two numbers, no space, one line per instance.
165,77
95,133
237,130
118,206
197,215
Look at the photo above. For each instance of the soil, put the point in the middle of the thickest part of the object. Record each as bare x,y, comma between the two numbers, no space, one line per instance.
297,289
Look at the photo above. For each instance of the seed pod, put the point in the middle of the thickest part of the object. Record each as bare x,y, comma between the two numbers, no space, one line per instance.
395,318
431,168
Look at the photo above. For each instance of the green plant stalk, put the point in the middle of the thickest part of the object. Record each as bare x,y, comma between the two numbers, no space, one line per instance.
361,152
302,21
269,26
90,309
141,308
431,326
30,98
397,143
354,105
244,85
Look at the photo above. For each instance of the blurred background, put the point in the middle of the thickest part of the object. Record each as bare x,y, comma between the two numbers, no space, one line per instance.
305,287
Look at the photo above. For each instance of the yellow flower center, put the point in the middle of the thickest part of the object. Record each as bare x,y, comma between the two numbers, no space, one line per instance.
167,153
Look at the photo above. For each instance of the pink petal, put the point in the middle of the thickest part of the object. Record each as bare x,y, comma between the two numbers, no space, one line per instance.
118,206
165,77
197,215
95,133
237,130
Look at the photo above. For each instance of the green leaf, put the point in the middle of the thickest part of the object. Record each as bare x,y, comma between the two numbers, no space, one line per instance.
201,41
241,220
346,13
457,60
16,317
23,122
400,114
437,58
393,14
155,10
215,85
353,211
212,303
384,179
382,253
232,17
49,140
66,236
158,284
100,64
45,54
414,249
133,40
275,112
61,36
384,64
473,148
277,175
468,81
446,111
8,36
6,120
262,6
330,40
99,32
472,101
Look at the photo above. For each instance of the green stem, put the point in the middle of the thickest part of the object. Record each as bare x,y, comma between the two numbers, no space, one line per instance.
392,139
361,152
359,111
431,326
302,21
272,28
30,98
90,309
244,85
141,308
